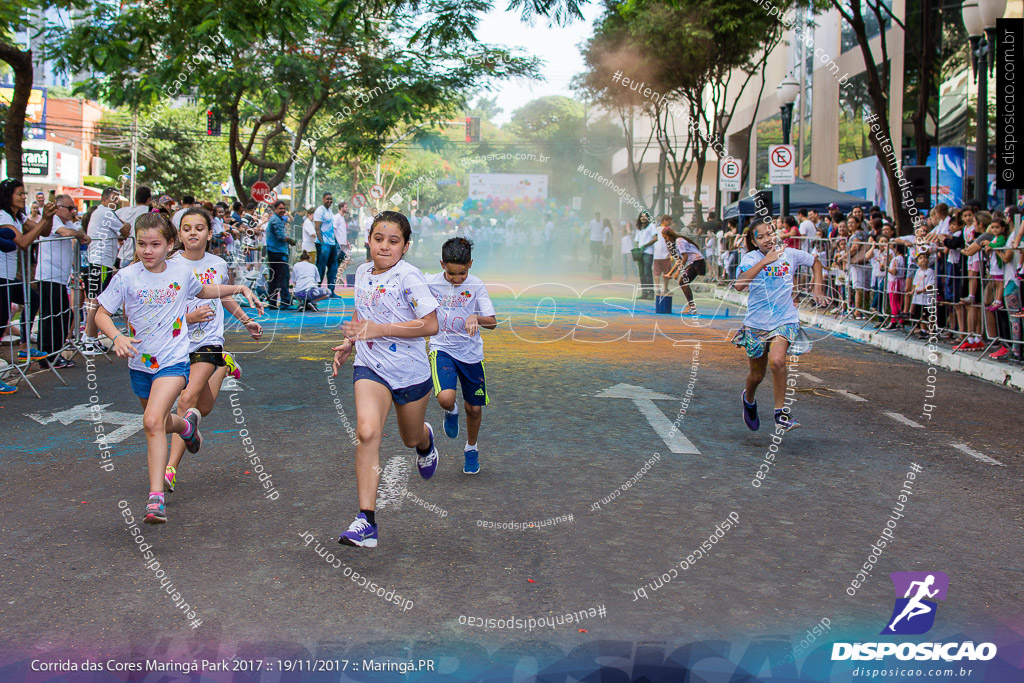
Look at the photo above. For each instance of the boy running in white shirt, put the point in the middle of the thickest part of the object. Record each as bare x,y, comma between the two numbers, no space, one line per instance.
457,350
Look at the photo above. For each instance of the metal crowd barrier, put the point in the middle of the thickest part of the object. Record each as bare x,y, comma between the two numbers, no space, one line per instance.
996,327
50,310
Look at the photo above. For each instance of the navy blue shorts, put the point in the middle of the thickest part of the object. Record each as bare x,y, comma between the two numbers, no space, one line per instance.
142,382
445,370
399,396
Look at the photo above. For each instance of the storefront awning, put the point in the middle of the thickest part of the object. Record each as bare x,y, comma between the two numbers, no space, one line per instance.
83,193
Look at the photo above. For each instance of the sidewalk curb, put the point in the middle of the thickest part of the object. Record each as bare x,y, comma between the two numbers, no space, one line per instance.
912,349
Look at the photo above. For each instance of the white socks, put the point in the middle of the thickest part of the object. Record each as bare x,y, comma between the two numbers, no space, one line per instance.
455,410
470,448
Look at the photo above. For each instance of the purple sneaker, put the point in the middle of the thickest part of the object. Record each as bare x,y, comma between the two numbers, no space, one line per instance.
360,533
785,420
750,417
427,462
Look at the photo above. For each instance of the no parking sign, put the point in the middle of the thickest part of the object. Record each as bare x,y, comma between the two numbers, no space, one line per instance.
359,200
781,164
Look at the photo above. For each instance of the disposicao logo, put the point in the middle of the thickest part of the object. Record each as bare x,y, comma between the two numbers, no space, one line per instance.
916,592
914,614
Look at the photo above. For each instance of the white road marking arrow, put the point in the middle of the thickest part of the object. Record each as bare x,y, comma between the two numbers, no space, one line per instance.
644,400
129,423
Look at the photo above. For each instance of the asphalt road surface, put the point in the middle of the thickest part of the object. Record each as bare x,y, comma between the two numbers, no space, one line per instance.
586,393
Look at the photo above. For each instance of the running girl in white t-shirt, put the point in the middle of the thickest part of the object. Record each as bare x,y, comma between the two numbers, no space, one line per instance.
209,363
154,293
771,327
394,310
457,350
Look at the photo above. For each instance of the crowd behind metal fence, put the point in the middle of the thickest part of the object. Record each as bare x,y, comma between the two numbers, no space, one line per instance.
956,279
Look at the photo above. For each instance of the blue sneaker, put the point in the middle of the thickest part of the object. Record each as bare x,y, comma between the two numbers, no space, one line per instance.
7,388
451,424
785,420
472,465
427,462
36,354
360,533
750,417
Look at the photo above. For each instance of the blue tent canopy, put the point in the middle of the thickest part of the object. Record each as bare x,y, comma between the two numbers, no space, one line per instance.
803,194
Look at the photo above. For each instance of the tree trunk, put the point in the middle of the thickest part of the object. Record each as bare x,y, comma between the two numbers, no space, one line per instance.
877,94
236,167
14,128
698,205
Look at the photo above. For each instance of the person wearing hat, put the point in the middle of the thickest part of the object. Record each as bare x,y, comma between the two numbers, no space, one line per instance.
833,212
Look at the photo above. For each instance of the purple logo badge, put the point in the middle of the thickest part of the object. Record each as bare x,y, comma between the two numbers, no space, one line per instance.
916,592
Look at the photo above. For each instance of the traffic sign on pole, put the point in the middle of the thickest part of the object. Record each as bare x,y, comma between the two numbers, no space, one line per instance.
781,164
729,175
260,190
359,200
377,191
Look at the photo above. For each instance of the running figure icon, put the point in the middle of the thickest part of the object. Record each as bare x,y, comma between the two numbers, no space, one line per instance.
915,607
916,596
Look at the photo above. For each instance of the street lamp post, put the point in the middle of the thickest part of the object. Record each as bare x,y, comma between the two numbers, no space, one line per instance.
980,18
722,124
660,194
787,91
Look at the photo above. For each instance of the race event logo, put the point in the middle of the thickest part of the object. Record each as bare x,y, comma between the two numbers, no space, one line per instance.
916,592
914,614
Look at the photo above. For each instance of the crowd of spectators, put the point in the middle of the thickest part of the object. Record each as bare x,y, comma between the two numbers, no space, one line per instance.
955,279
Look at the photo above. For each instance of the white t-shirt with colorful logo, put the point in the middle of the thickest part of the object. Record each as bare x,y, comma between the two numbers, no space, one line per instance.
400,294
455,304
155,305
770,303
209,270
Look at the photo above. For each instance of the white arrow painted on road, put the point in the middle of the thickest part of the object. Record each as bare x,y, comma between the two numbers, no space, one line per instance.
644,400
86,412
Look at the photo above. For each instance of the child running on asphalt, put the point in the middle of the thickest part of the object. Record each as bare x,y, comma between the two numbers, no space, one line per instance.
767,270
394,310
457,350
209,363
154,293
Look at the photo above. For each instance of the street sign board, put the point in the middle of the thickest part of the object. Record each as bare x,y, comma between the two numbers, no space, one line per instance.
359,200
729,175
260,190
377,191
781,164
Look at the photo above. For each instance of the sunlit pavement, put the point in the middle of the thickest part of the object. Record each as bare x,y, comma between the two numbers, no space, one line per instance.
584,393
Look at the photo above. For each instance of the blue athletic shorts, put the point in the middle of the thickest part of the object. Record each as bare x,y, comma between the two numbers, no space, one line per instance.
445,370
142,382
399,396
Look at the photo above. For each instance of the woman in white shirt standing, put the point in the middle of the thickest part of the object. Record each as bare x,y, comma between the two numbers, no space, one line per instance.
309,245
626,250
23,232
